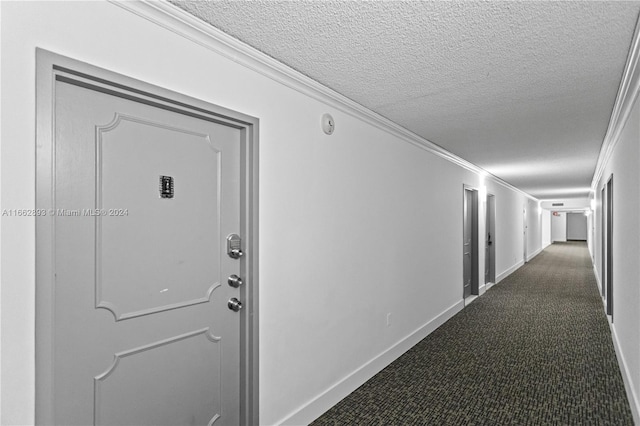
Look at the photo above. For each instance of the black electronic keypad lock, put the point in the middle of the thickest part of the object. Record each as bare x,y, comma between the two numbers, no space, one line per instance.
166,187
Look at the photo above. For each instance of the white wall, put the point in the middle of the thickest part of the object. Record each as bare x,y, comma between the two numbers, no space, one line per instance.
508,239
534,229
340,201
546,228
578,203
624,164
559,226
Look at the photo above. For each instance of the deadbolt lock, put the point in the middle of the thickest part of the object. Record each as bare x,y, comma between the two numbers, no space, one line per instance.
234,249
234,304
234,281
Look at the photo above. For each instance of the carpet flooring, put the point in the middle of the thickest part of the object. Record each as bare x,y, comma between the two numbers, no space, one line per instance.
536,349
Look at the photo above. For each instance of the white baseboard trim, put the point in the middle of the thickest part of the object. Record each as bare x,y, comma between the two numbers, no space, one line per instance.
509,271
468,300
597,275
482,290
634,403
318,405
534,254
489,285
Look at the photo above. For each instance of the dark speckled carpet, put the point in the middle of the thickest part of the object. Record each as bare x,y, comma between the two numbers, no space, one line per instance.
536,349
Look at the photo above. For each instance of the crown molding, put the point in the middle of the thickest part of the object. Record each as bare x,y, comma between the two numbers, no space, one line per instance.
188,26
625,100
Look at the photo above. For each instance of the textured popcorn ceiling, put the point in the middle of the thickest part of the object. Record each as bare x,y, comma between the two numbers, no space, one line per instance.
524,90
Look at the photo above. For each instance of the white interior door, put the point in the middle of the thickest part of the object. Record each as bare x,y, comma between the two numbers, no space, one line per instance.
489,267
467,235
576,227
524,234
145,197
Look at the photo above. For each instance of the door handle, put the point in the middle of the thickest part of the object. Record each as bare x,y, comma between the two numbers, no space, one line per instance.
234,304
234,281
236,253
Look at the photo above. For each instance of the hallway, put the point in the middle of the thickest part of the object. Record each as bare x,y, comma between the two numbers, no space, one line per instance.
536,349
365,136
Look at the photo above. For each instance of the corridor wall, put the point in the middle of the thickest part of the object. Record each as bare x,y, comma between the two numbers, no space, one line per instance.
546,228
620,158
373,214
534,229
558,226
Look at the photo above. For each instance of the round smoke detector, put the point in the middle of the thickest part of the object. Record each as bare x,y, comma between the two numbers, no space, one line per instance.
328,125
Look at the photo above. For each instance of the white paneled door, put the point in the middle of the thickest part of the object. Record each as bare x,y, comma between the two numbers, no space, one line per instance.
145,197
468,243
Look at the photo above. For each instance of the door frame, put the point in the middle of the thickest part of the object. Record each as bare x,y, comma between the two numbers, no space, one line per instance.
475,278
51,67
609,234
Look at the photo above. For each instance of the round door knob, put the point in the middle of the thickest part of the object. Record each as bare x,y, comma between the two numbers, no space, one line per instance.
236,254
234,304
234,281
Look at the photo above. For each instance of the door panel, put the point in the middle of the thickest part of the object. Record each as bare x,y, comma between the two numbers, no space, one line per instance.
487,262
187,268
489,269
576,227
140,316
524,234
468,240
603,245
184,362
609,258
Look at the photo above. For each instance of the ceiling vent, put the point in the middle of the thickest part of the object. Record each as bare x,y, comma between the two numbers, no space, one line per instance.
557,204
